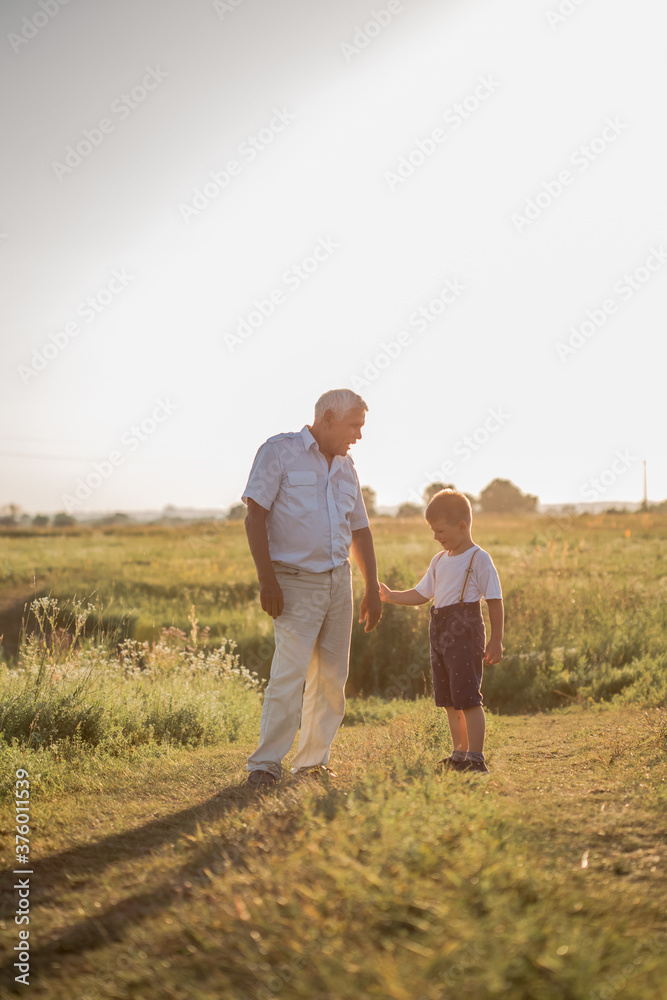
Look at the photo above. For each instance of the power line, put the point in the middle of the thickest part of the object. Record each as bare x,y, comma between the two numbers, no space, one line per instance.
41,440
83,458
61,458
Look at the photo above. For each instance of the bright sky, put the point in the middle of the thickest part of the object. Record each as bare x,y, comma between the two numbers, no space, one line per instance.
375,164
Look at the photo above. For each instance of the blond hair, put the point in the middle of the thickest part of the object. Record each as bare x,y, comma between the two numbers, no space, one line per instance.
451,505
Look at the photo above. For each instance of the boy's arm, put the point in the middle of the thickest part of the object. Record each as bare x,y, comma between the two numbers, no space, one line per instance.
494,647
409,598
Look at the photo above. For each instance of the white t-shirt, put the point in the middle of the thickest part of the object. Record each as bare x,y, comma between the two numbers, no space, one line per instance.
444,578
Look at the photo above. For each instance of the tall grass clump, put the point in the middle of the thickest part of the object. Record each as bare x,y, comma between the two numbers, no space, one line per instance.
95,691
393,660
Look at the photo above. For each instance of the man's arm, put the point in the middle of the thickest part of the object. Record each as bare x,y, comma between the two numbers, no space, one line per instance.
494,647
364,555
270,592
409,598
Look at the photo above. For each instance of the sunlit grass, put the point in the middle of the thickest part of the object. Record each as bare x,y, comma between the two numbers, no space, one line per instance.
585,618
544,880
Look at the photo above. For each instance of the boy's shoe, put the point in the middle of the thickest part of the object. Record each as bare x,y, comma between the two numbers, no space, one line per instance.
472,766
446,764
261,779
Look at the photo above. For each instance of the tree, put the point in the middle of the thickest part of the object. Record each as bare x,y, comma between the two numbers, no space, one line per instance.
120,517
237,512
40,521
409,510
63,520
503,497
370,500
9,514
434,488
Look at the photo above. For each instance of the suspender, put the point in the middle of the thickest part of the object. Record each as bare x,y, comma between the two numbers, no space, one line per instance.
467,576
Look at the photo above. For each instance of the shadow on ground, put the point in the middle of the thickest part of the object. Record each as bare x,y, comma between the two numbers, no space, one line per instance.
76,867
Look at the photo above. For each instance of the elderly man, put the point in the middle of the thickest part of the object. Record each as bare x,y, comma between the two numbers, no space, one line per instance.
305,513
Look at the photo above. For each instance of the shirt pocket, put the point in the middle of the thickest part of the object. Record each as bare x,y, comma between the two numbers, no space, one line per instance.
347,496
301,491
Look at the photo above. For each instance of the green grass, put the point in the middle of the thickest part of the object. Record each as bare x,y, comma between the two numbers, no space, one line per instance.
67,688
583,596
157,876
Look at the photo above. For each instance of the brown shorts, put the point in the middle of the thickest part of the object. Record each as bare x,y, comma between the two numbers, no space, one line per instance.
458,640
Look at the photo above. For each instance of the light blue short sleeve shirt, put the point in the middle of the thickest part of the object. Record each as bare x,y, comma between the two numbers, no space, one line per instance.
313,509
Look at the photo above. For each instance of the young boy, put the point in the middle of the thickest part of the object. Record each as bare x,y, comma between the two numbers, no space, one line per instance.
456,580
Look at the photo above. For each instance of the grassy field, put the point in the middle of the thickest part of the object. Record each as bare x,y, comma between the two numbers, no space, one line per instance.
584,599
155,874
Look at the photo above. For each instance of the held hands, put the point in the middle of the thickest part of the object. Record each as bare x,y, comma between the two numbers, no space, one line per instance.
370,610
271,598
385,593
494,651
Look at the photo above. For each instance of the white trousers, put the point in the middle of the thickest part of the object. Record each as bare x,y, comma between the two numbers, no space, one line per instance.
309,668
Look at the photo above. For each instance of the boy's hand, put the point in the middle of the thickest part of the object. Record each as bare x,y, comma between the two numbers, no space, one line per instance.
494,651
385,592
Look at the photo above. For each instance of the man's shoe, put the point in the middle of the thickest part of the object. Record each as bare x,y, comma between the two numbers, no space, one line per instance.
261,779
446,764
318,771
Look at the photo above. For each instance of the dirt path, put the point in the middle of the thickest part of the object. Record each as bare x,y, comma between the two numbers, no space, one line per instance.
587,782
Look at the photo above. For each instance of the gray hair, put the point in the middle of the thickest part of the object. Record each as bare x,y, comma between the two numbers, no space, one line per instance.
339,401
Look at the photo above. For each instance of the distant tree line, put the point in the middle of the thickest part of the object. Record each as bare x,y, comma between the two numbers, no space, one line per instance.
500,497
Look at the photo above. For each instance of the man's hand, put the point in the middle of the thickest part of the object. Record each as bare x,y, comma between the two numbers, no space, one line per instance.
371,610
271,597
364,554
270,593
494,651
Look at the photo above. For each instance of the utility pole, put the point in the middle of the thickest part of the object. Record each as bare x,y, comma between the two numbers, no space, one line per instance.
645,500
